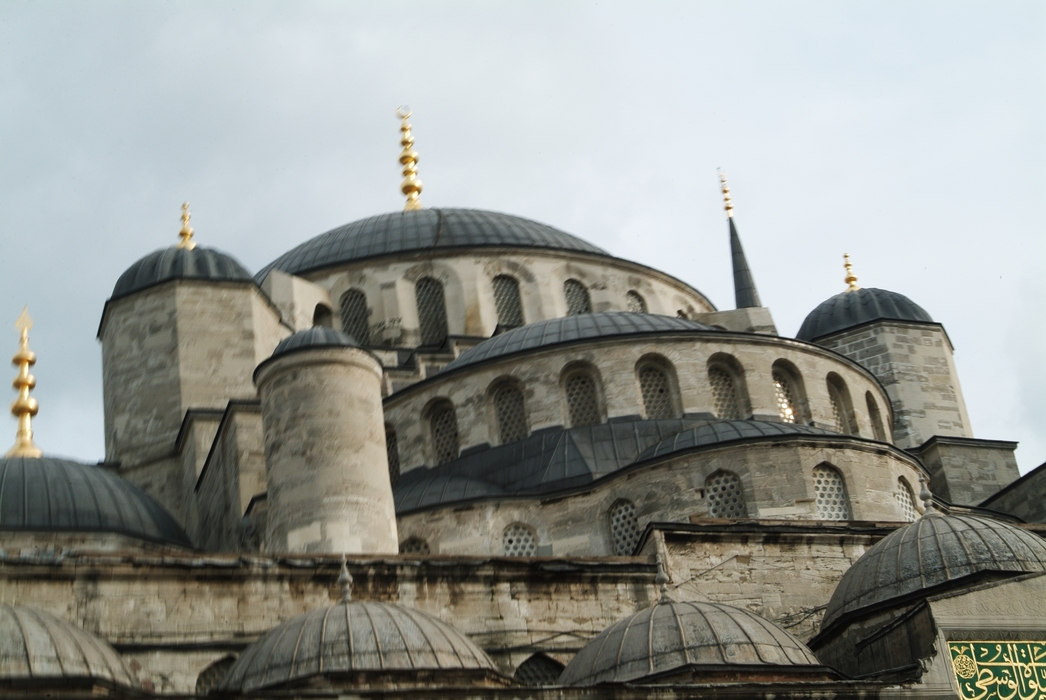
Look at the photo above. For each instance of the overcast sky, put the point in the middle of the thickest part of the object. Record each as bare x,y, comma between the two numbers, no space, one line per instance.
910,134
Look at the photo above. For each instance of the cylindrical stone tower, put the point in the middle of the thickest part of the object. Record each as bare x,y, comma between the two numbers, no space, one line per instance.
326,464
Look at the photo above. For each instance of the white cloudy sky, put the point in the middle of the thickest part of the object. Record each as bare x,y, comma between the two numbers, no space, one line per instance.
910,134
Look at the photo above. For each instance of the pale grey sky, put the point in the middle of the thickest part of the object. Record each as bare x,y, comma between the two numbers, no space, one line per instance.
909,134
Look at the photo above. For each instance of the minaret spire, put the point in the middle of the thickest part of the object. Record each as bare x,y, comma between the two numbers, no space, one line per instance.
411,185
745,294
25,406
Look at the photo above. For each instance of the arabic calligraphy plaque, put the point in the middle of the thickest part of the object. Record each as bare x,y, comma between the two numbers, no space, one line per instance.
1000,670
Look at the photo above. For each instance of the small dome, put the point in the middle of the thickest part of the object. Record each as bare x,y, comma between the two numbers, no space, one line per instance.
721,431
315,337
179,263
933,553
351,637
38,647
44,494
854,308
672,636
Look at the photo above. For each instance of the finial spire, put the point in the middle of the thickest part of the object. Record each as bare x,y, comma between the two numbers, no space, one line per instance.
851,278
25,406
345,581
726,194
746,296
925,496
662,582
186,233
411,185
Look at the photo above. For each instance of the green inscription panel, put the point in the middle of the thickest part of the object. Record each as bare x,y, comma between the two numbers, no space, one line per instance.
1000,670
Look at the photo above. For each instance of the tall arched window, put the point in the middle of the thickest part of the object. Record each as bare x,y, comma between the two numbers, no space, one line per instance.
875,417
784,397
624,527
906,501
322,316
507,301
518,540
582,399
635,302
432,311
443,426
842,409
655,386
830,494
538,670
393,450
724,393
726,498
578,301
510,411
355,319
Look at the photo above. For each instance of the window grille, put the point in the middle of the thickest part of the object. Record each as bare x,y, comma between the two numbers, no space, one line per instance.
838,417
906,501
832,503
657,397
209,677
577,298
354,317
724,394
538,670
519,541
635,302
414,545
392,448
582,401
511,413
432,311
624,527
726,498
784,396
876,418
444,426
507,301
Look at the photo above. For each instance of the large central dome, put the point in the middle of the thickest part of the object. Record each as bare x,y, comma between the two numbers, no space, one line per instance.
425,229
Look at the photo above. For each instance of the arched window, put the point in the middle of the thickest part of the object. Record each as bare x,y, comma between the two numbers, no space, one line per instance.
726,498
624,527
432,311
414,545
788,393
577,298
724,393
355,319
443,425
906,501
537,671
875,417
322,316
212,675
655,386
507,301
830,492
510,411
393,450
635,302
518,540
582,399
842,409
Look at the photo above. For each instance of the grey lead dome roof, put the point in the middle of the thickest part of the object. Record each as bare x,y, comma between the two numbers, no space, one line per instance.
854,308
671,636
932,552
45,494
179,263
715,432
424,229
315,337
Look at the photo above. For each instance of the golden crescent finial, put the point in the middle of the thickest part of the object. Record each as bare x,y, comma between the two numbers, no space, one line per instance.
851,278
25,406
726,194
411,185
186,233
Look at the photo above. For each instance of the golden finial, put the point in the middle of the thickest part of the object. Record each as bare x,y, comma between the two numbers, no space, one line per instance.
186,233
411,185
851,278
726,194
25,406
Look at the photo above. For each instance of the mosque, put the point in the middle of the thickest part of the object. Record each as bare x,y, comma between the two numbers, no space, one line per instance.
452,453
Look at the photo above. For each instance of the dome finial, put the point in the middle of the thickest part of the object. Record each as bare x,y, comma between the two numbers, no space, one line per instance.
186,233
345,581
726,194
925,496
851,278
411,185
25,406
662,582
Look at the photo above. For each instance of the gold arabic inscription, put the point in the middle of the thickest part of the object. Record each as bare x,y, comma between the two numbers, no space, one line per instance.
1000,670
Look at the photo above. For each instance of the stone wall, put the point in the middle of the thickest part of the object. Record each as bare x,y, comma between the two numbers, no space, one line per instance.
965,471
1025,497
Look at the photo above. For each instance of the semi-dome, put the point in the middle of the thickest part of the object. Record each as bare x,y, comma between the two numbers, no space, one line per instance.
351,637
670,637
179,263
315,337
423,229
856,307
44,494
715,432
39,649
934,553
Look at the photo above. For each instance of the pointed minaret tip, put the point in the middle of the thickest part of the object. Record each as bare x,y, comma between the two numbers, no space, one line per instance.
25,406
745,294
186,232
726,194
851,278
411,185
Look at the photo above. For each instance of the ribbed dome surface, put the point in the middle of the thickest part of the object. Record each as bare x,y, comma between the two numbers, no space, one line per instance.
571,329
932,552
671,636
315,337
353,636
56,495
726,431
179,263
36,646
850,309
425,229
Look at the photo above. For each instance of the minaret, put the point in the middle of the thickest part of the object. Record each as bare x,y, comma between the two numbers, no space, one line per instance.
411,185
745,294
25,406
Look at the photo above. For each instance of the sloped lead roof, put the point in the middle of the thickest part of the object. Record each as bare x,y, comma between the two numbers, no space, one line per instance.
854,308
315,337
179,263
726,431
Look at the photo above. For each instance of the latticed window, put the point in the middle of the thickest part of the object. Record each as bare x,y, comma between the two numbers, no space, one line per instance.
906,501
624,527
784,397
876,418
838,414
511,412
582,401
726,499
538,670
209,677
724,394
432,311
657,396
443,424
392,448
830,492
635,302
577,298
414,545
518,540
354,317
507,301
